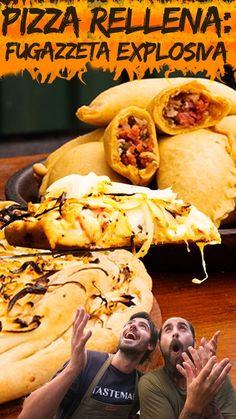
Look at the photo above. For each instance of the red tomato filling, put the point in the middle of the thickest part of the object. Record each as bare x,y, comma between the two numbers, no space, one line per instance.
186,109
135,145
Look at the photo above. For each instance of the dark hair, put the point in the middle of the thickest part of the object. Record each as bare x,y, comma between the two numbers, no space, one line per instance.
190,327
153,330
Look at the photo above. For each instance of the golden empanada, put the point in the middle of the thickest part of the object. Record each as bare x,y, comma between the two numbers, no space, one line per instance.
140,93
81,159
228,126
199,168
130,145
40,169
187,107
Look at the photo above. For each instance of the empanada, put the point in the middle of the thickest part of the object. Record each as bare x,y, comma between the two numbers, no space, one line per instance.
187,107
41,169
81,159
130,145
199,168
228,126
140,93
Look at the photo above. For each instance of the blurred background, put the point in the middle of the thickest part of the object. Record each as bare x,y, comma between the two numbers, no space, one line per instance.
37,118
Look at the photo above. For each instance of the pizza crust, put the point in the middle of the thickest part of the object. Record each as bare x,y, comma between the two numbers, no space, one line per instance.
34,356
104,214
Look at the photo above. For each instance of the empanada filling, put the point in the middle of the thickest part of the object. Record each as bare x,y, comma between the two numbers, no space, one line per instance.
186,109
135,145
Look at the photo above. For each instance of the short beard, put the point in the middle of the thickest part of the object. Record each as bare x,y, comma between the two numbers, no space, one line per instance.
132,353
170,367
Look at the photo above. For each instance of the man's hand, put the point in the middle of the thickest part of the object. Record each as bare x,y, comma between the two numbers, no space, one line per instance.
204,378
43,402
212,344
78,341
199,358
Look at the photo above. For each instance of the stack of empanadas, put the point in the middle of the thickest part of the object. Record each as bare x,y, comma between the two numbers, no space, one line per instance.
179,131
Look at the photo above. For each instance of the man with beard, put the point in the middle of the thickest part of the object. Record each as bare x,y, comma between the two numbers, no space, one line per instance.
96,384
191,384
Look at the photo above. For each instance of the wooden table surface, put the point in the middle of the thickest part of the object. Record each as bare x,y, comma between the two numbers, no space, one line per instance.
210,306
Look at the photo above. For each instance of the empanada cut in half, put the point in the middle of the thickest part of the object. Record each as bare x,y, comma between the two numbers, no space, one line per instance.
131,147
139,93
184,108
199,168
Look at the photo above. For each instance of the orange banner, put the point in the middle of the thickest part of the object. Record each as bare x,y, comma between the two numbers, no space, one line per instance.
59,38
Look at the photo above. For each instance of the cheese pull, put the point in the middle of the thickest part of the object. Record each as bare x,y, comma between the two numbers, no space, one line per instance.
131,147
95,213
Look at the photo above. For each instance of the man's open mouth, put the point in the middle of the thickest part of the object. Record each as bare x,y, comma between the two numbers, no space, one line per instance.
130,335
176,346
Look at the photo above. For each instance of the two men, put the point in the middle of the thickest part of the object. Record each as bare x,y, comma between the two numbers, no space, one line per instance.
192,384
94,384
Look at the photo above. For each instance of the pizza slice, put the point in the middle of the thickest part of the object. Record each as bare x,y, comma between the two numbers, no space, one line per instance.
38,299
91,212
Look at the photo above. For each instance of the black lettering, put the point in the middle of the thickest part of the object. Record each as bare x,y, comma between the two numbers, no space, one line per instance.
147,27
70,17
80,50
177,55
98,20
168,19
136,52
72,48
60,48
47,50
212,19
31,27
220,50
158,53
56,14
122,50
186,14
113,19
10,49
128,24
203,52
149,48
30,49
23,20
10,14
188,49
103,49
92,50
